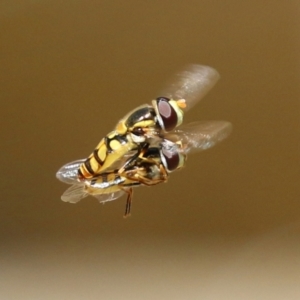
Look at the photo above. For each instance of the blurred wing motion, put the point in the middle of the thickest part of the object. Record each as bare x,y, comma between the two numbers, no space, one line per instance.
69,172
192,84
198,136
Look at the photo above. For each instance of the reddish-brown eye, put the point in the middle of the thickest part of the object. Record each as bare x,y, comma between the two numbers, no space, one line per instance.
167,114
170,158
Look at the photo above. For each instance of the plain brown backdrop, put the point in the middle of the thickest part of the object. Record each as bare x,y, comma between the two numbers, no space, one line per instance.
225,227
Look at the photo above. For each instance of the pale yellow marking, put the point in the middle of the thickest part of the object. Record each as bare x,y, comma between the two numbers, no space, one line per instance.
182,159
145,123
84,172
94,164
116,155
111,177
114,145
121,127
102,152
179,112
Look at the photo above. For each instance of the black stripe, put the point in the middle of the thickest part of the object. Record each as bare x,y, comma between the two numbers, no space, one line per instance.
93,181
122,139
104,177
80,175
99,161
107,144
89,167
131,184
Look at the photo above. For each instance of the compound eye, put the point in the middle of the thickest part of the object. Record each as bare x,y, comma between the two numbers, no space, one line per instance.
170,159
166,114
138,131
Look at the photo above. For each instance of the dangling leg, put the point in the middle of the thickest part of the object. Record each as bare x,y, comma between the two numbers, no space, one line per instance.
145,180
128,201
140,152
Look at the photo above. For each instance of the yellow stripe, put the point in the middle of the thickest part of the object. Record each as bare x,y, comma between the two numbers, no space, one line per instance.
94,164
121,127
145,123
85,172
102,151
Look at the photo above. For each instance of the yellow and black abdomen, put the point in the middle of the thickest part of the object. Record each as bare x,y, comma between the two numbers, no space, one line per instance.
110,150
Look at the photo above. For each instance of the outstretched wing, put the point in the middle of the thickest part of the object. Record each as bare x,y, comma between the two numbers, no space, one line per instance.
106,187
109,196
69,172
77,191
198,136
191,84
74,193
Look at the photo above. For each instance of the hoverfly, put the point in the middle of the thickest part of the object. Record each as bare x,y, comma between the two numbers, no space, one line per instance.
151,167
146,170
144,124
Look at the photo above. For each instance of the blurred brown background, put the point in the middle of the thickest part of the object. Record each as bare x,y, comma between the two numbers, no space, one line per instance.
225,227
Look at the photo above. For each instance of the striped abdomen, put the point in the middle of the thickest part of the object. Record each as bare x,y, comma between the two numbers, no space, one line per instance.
111,149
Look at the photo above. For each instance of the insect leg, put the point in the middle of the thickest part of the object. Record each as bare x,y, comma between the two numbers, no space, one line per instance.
163,177
150,182
128,201
149,160
141,150
145,180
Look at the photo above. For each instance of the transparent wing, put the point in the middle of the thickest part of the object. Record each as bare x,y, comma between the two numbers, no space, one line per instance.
74,193
191,84
109,196
105,189
68,173
198,136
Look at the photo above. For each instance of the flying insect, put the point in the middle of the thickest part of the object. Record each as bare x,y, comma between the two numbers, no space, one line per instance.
144,125
151,167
